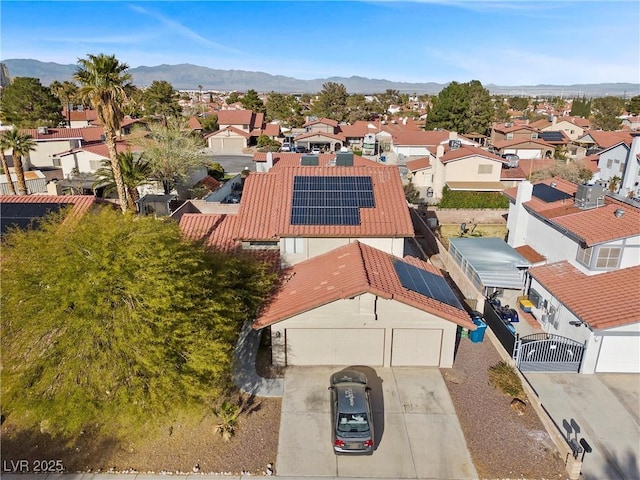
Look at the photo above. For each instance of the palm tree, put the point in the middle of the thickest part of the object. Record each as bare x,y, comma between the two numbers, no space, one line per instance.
4,145
105,82
20,146
134,173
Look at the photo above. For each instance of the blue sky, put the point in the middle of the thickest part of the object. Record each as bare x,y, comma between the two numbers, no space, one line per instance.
504,42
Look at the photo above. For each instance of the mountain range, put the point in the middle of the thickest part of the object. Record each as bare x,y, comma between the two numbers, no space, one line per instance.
192,77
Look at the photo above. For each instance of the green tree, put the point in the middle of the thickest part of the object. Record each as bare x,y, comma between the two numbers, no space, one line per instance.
251,101
105,84
633,106
161,99
607,111
172,152
463,108
519,103
20,145
216,171
135,173
5,145
25,103
332,102
209,123
66,92
284,108
145,332
360,109
500,109
581,107
232,98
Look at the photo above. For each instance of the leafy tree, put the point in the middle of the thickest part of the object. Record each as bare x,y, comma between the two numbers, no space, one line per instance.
450,109
161,99
481,110
216,171
607,111
113,323
105,83
411,193
267,143
633,106
251,101
209,123
388,98
25,103
519,103
501,113
5,145
20,145
581,107
284,108
332,102
172,152
361,109
232,98
135,173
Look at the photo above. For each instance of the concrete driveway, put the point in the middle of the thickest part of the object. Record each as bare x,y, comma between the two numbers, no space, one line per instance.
417,433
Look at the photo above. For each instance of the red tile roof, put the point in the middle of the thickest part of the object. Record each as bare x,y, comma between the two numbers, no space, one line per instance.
81,203
100,149
239,117
347,272
605,139
420,137
530,254
418,164
603,301
54,134
322,121
265,209
536,142
291,159
468,151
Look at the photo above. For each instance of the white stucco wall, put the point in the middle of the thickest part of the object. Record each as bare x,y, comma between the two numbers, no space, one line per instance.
466,170
45,151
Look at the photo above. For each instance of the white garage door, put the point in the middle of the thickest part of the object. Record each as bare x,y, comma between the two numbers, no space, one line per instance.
619,355
227,145
333,346
528,154
416,347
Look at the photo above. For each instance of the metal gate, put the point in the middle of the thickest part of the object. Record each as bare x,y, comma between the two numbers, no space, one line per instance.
545,352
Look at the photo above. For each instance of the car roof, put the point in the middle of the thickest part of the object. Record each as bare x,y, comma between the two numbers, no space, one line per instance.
350,391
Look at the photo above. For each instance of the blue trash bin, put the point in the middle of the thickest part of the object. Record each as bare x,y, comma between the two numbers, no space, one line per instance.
477,335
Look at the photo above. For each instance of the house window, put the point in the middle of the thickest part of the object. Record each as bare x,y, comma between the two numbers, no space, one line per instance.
509,136
621,167
94,165
485,169
534,135
608,258
293,245
610,163
57,162
584,256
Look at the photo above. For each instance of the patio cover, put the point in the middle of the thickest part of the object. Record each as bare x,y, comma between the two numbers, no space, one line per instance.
494,262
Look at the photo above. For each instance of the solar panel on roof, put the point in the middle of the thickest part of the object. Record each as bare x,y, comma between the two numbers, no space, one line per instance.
549,194
551,136
426,283
23,215
330,200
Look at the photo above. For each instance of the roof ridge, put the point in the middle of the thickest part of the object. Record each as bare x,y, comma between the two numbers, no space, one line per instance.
364,265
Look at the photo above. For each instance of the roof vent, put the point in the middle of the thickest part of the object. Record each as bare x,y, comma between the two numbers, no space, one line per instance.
454,144
43,130
619,212
553,184
309,160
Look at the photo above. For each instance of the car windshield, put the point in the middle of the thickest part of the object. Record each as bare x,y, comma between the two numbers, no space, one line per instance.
353,422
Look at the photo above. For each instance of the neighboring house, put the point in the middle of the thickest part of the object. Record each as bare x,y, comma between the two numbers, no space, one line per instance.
357,305
303,211
524,149
502,132
589,285
595,141
23,211
238,130
80,117
622,162
460,167
86,158
631,123
416,143
50,141
572,127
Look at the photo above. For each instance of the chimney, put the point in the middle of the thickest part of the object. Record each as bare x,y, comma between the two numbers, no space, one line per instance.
553,121
440,152
269,161
518,218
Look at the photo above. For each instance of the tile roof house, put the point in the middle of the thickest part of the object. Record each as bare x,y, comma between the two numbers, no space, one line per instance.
587,286
237,130
622,163
572,127
594,141
301,211
353,306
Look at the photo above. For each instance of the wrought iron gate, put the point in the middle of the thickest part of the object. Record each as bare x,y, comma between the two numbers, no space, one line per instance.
545,352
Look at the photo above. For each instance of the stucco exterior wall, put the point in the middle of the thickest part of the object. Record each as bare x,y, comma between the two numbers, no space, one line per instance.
467,170
45,151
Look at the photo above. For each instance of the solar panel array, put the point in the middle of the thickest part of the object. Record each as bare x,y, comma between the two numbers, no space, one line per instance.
22,215
548,194
328,200
426,283
551,136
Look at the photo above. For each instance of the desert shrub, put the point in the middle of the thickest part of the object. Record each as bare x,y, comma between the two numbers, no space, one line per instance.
505,378
461,199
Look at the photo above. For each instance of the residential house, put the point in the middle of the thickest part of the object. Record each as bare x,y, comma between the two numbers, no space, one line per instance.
510,131
238,130
572,127
631,122
594,141
357,305
523,148
621,162
587,288
80,117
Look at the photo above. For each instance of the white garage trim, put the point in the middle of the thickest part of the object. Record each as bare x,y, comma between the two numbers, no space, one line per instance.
416,347
619,354
334,346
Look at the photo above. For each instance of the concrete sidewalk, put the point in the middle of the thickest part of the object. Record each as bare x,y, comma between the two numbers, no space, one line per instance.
244,366
604,409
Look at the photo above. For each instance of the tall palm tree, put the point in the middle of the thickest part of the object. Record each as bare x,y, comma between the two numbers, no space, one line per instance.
105,82
4,145
20,145
134,173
